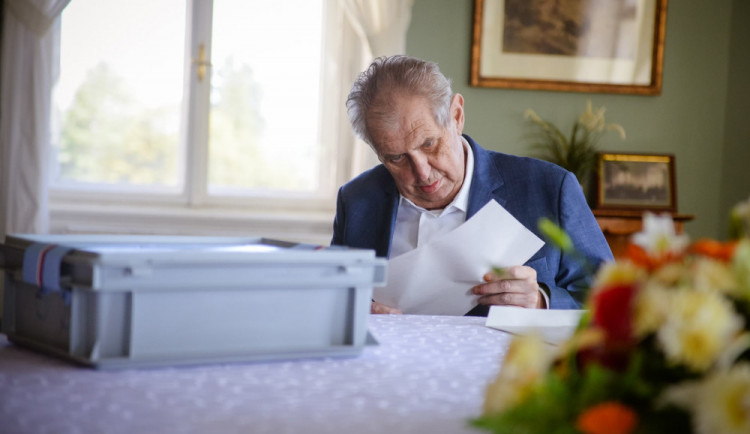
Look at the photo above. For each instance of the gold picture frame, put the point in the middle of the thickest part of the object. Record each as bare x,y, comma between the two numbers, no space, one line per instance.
555,45
644,182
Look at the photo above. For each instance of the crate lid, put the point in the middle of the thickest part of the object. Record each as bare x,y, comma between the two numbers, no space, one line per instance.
144,262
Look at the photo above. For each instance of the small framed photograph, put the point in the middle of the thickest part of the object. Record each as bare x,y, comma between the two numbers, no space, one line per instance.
569,45
635,182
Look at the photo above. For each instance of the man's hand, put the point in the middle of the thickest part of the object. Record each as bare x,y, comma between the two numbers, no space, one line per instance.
515,286
376,307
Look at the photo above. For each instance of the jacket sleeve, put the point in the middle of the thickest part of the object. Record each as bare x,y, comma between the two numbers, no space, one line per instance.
574,274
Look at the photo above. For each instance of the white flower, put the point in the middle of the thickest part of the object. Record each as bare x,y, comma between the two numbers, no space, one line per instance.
658,236
617,127
592,120
698,327
713,275
531,114
718,404
652,305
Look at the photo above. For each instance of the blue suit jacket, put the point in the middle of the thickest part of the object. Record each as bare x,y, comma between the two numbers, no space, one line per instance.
528,188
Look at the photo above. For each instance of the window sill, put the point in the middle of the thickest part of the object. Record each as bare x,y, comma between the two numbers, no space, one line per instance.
297,226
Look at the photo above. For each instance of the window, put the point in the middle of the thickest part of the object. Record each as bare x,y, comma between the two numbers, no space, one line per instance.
119,95
185,111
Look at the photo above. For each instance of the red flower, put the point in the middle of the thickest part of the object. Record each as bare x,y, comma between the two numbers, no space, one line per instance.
612,311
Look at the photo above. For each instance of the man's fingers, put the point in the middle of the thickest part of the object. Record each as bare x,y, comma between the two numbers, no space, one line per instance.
494,287
380,308
520,299
496,274
518,272
512,286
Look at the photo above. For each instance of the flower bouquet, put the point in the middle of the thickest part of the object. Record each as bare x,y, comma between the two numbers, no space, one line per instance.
663,347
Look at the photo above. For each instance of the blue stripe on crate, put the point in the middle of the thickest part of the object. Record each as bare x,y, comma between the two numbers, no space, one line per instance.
41,265
51,268
33,257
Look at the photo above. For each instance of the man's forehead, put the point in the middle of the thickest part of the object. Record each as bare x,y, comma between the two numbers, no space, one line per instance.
410,124
405,136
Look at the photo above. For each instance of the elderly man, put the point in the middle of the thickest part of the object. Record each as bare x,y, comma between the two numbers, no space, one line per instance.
433,178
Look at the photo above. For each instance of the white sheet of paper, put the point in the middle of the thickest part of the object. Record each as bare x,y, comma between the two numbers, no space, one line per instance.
553,325
436,279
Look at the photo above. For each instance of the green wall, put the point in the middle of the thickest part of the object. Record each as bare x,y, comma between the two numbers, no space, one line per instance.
735,175
689,119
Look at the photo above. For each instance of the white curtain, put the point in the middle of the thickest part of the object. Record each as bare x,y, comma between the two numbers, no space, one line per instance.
28,69
381,23
382,27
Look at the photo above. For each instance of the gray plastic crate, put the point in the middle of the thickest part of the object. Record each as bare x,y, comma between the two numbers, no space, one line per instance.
124,301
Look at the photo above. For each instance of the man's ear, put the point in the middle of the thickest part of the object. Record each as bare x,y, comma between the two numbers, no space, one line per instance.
457,111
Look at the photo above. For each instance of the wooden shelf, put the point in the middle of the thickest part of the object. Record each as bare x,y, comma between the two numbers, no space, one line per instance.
619,225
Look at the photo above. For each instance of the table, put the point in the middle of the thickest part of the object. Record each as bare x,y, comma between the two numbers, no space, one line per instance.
427,375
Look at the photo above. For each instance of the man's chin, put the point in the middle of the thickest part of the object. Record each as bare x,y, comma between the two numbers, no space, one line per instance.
431,203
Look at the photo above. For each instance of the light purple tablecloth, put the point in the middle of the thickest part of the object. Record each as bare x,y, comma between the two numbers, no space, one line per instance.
428,375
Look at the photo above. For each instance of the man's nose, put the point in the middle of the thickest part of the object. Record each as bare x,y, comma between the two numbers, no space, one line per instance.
421,167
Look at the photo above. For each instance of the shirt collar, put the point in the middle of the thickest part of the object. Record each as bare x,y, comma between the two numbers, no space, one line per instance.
461,201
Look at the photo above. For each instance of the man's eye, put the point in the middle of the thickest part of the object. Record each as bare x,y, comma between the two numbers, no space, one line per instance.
396,158
428,144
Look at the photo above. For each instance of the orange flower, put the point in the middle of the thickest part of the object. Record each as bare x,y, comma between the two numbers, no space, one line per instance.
714,249
607,418
650,262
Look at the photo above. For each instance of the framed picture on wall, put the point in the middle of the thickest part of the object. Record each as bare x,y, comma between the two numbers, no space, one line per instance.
608,46
636,182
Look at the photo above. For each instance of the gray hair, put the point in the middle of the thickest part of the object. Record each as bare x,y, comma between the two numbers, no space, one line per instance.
401,74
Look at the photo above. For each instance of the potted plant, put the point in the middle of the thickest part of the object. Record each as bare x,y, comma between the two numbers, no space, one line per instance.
575,152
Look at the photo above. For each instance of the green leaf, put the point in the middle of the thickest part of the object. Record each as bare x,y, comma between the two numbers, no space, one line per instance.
555,234
545,411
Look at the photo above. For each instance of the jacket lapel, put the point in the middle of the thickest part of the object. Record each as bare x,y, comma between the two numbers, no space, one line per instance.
390,209
486,183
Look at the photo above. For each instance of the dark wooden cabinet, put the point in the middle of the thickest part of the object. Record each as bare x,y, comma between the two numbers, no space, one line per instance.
618,226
